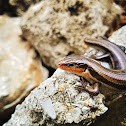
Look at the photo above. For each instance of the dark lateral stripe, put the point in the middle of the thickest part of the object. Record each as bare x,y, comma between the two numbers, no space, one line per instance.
103,80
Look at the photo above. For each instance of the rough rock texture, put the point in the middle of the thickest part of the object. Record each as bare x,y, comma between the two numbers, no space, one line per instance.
20,70
57,101
58,28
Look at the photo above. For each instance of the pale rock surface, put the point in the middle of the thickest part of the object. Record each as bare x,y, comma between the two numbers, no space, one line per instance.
57,29
57,101
119,37
20,69
45,73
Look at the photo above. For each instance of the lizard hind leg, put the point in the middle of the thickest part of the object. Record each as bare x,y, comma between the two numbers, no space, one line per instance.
91,90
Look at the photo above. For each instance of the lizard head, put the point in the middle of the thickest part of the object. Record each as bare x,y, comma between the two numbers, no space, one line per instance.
73,64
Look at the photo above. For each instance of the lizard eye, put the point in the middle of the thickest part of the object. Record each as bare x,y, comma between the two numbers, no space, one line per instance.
70,65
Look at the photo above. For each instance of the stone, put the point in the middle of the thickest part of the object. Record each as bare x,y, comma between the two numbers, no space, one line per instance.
57,29
64,107
48,107
20,68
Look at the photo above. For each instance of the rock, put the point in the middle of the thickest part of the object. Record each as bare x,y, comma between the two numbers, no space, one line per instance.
119,37
45,73
20,69
57,101
48,107
57,29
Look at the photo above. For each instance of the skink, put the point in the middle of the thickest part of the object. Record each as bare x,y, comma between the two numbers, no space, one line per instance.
94,72
117,54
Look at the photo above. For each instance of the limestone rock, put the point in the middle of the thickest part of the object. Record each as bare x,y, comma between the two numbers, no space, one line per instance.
57,29
20,69
57,101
